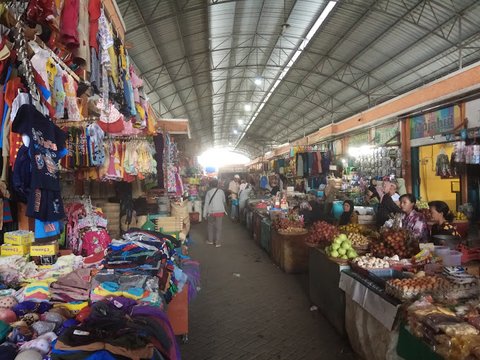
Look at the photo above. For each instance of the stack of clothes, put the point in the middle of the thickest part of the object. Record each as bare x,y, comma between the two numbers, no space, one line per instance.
118,328
72,288
143,288
143,252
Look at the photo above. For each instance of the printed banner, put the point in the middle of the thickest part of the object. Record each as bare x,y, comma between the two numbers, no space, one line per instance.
359,139
435,123
385,133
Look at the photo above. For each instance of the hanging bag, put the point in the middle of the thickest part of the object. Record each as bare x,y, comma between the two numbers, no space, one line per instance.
95,242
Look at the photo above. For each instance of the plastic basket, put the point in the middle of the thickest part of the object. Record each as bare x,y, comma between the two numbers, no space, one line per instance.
381,276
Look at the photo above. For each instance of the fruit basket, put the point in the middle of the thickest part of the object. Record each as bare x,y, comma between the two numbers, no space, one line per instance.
321,233
292,231
339,261
395,241
361,250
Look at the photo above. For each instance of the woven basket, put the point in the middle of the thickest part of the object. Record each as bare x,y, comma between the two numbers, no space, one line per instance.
339,261
299,231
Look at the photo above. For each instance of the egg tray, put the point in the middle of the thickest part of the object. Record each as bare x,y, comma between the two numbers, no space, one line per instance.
404,294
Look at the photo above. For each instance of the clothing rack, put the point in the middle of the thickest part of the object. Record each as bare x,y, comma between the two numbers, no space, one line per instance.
15,11
58,60
76,197
85,121
128,138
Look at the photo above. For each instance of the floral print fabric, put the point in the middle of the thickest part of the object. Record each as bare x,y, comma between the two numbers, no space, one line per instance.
415,222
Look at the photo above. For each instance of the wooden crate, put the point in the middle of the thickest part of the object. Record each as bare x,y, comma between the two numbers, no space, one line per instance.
168,223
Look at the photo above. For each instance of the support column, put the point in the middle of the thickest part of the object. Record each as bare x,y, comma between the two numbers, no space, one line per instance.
406,154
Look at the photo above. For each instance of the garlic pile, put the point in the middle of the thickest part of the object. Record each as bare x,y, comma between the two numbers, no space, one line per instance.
370,262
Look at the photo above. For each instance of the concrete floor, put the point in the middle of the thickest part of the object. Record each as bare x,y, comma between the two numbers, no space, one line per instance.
249,309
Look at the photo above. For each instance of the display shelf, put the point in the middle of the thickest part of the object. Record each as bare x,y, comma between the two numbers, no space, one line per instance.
371,297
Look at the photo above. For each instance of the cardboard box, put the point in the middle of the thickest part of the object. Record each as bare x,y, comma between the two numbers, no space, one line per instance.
19,237
44,249
9,250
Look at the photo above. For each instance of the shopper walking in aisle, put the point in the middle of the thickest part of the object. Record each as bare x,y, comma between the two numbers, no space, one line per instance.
214,211
234,189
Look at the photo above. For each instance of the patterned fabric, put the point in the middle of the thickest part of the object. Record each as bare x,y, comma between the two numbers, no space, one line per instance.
171,178
71,98
416,224
445,229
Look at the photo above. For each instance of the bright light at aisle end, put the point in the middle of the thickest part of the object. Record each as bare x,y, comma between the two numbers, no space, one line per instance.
221,157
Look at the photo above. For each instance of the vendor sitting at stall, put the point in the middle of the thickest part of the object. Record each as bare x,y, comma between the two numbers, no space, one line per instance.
442,216
349,215
413,220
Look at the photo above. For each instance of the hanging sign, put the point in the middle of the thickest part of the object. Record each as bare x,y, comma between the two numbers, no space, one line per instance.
383,134
337,147
359,139
435,123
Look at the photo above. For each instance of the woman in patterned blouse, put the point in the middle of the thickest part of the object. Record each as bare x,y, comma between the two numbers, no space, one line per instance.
442,216
413,220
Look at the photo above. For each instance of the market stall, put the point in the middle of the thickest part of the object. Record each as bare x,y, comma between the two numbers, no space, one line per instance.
94,217
370,317
324,278
365,282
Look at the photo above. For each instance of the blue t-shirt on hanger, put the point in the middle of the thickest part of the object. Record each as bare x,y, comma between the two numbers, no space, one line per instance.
46,146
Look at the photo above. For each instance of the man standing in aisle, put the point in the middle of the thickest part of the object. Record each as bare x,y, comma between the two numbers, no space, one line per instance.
213,211
387,205
234,189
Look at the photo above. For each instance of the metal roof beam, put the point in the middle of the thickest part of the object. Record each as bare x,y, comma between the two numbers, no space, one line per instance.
231,59
180,25
149,35
255,48
335,46
399,53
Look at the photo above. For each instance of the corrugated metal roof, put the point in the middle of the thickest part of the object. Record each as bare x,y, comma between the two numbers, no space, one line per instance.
201,58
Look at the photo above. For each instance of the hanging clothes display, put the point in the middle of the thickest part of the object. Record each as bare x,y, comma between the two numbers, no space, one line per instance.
159,147
442,165
46,143
56,126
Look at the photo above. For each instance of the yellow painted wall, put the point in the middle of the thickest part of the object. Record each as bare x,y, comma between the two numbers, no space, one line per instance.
433,187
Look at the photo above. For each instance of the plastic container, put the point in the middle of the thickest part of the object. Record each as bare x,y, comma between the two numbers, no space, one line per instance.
446,240
454,258
441,250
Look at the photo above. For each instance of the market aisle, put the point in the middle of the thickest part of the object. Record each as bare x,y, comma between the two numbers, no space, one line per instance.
249,309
